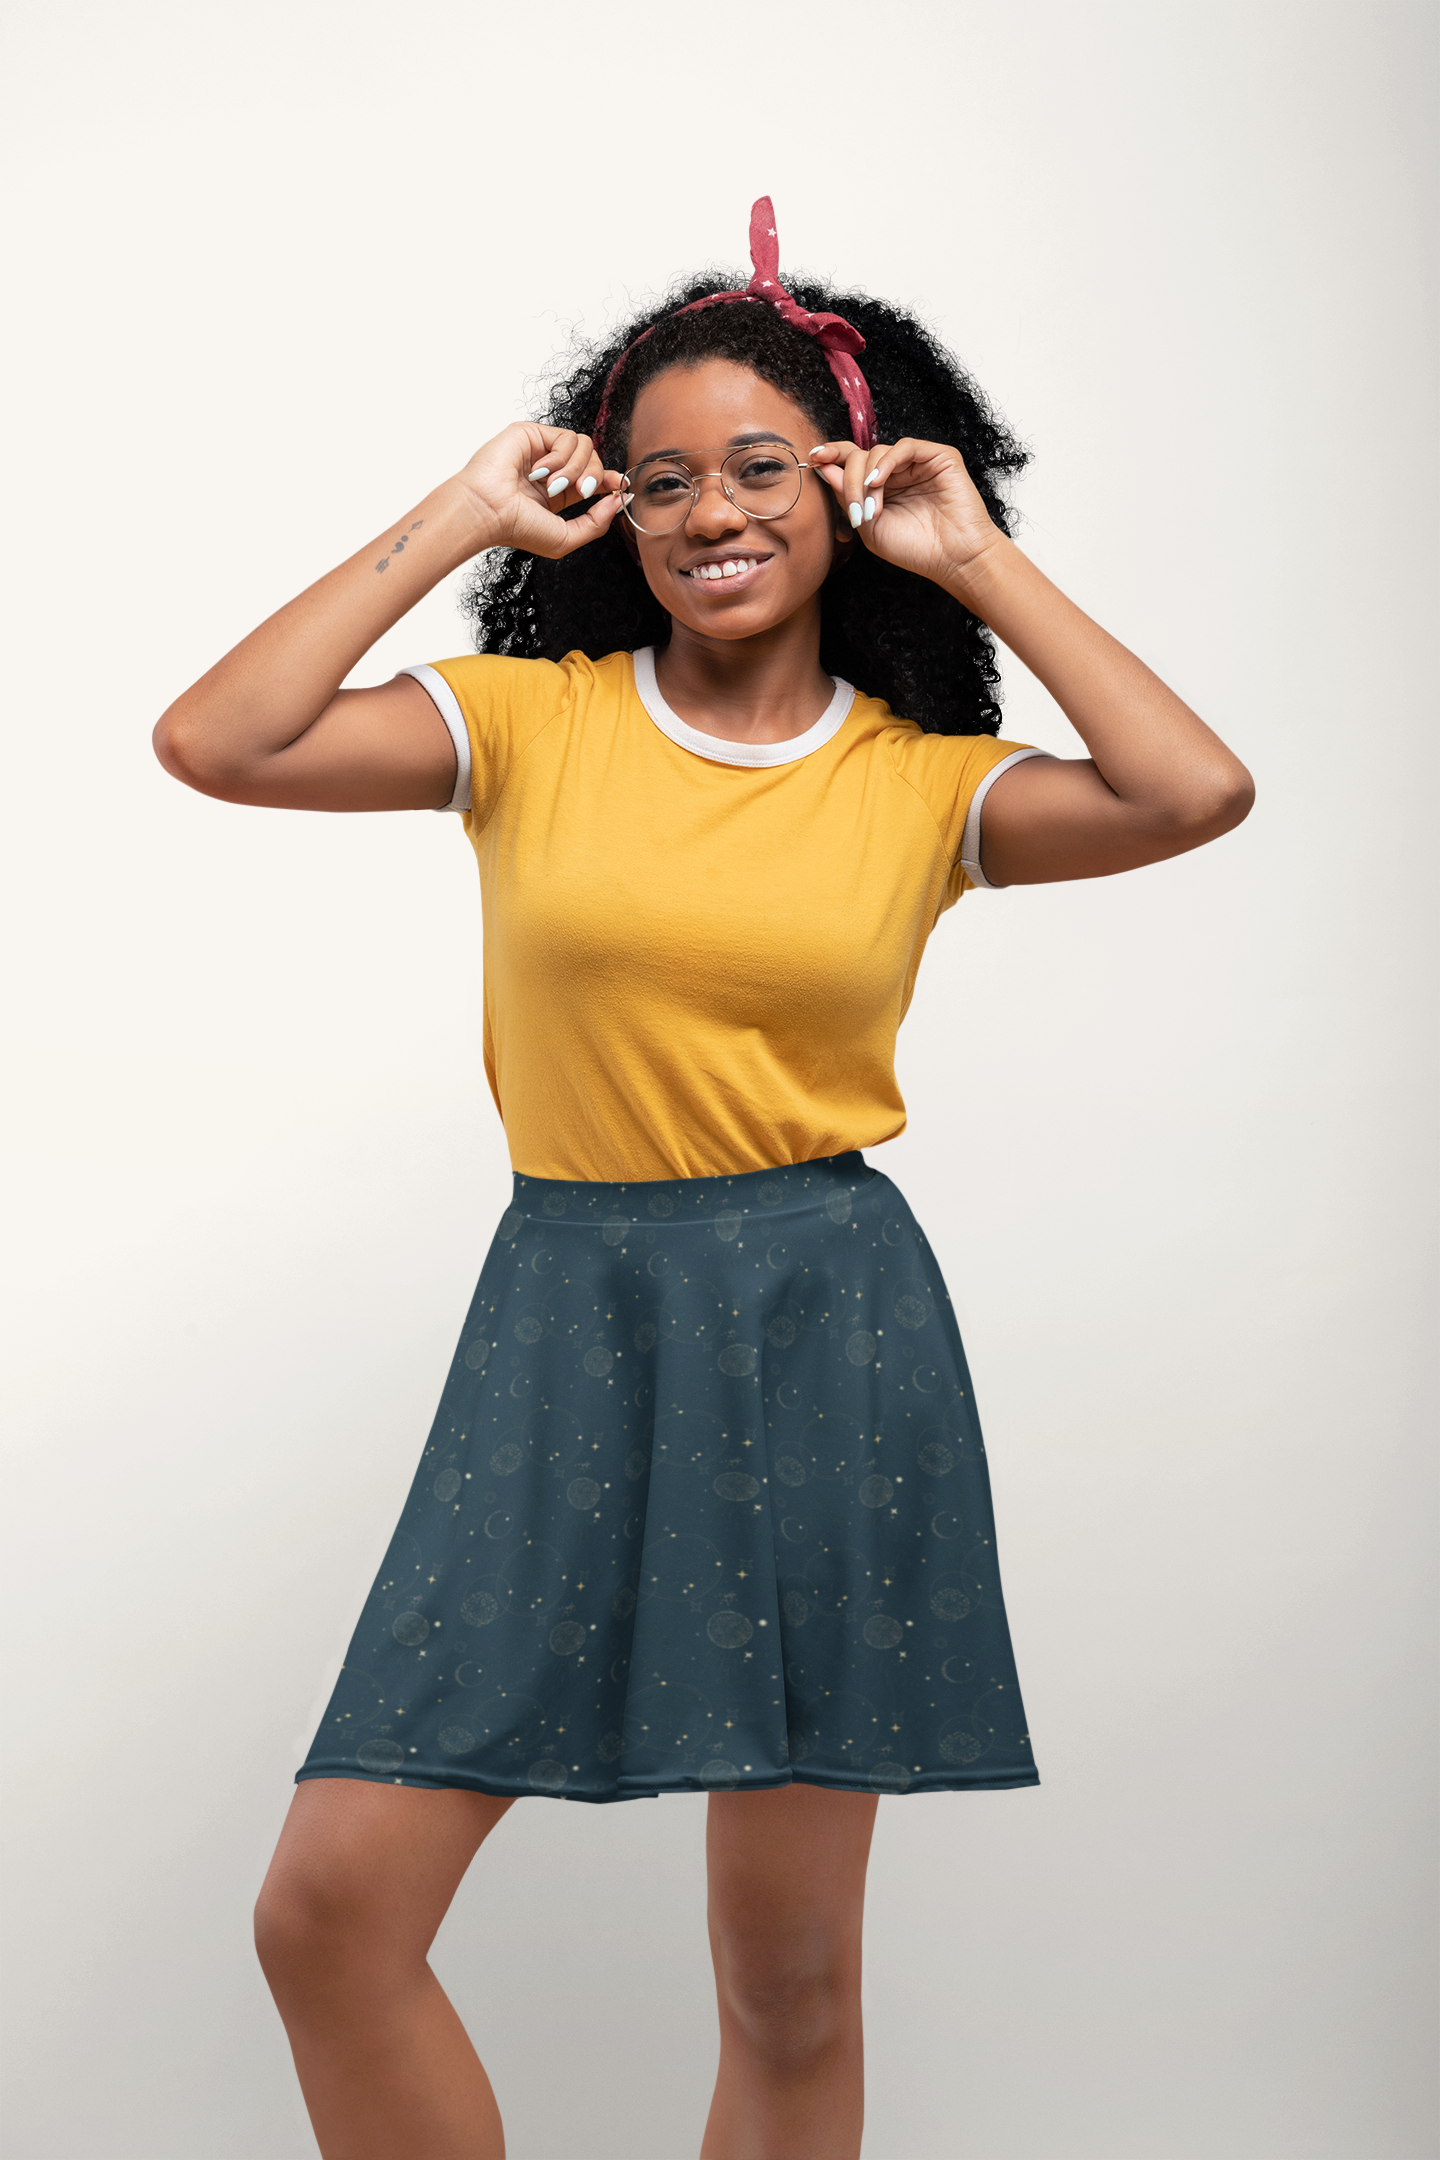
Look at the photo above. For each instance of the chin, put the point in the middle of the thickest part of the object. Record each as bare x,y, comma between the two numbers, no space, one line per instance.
746,618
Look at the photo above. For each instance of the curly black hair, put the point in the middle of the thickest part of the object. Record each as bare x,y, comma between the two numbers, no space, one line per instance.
894,635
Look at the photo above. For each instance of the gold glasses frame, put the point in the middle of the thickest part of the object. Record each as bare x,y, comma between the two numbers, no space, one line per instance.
802,466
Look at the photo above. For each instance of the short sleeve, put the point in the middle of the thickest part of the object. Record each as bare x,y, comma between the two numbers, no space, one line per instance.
953,774
493,708
443,698
970,836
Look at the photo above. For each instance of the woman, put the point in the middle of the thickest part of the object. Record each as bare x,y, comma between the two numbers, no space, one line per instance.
705,1505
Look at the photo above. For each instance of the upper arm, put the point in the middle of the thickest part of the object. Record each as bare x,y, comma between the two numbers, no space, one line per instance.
385,748
1052,818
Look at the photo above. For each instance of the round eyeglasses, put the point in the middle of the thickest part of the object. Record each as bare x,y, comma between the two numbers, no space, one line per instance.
763,480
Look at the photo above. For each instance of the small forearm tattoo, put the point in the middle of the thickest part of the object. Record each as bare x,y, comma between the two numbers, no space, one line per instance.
399,547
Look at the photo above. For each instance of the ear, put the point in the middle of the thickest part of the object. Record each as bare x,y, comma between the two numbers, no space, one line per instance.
844,545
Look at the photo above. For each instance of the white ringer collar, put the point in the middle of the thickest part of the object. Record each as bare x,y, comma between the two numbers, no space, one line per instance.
718,747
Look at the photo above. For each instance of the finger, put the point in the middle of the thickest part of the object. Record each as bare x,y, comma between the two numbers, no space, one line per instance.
592,488
910,459
842,466
559,446
876,465
852,489
575,474
596,518
593,478
896,466
541,441
828,459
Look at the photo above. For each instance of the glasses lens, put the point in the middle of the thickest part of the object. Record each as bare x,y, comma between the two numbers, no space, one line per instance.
661,497
764,480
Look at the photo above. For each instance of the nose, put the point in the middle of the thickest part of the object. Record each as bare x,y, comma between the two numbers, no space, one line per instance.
712,514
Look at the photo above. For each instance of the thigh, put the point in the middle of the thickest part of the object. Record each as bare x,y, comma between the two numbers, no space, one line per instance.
384,1860
789,1865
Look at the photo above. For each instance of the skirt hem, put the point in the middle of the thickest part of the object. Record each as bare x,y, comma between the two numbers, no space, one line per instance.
921,1781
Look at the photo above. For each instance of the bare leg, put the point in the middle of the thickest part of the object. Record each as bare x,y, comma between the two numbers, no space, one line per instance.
787,1891
361,1879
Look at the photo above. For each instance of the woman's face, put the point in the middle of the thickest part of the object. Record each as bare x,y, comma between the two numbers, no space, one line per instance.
702,412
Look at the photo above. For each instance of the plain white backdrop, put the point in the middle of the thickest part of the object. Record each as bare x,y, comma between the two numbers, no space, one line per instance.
274,272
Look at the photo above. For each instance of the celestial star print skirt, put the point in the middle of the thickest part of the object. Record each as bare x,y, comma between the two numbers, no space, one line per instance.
704,1507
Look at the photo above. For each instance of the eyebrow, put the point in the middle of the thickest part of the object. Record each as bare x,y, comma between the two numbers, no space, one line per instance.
736,442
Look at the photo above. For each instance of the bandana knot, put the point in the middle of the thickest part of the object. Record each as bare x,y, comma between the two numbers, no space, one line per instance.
837,339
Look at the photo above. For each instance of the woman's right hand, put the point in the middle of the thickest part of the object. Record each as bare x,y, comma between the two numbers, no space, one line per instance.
521,480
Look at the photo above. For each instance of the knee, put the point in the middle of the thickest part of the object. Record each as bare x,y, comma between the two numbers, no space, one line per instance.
288,1930
307,1925
791,2003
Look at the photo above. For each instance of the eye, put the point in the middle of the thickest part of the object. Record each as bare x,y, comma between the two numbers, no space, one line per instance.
761,469
664,485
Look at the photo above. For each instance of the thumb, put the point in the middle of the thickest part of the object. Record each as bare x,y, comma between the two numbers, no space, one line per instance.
595,520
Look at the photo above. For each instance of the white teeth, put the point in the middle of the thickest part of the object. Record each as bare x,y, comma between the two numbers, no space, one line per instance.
731,567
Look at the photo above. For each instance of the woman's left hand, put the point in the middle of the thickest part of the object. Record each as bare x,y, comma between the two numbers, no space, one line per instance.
912,503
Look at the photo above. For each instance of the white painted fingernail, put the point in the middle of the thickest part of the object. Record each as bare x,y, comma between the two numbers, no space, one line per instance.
558,485
817,449
541,472
873,477
855,513
588,485
869,508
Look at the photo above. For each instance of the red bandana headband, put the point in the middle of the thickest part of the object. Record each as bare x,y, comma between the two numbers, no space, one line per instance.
838,339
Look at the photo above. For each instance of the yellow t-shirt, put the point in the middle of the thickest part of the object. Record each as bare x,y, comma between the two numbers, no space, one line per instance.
697,954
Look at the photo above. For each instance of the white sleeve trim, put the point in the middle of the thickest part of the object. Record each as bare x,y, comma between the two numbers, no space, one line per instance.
448,706
970,838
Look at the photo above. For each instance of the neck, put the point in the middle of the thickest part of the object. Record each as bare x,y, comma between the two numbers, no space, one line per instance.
762,689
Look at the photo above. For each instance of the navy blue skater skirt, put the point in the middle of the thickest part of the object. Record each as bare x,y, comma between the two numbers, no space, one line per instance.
704,1507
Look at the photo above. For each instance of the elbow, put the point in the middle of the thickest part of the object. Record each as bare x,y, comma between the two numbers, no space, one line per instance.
1234,799
180,745
1217,803
172,743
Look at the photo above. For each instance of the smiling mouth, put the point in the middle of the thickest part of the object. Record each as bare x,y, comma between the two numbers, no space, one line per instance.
727,571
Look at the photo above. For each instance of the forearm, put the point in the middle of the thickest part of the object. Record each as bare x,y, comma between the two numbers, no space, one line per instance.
256,702
1154,754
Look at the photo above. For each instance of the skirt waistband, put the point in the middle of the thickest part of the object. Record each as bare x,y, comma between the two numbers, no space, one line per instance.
783,1190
